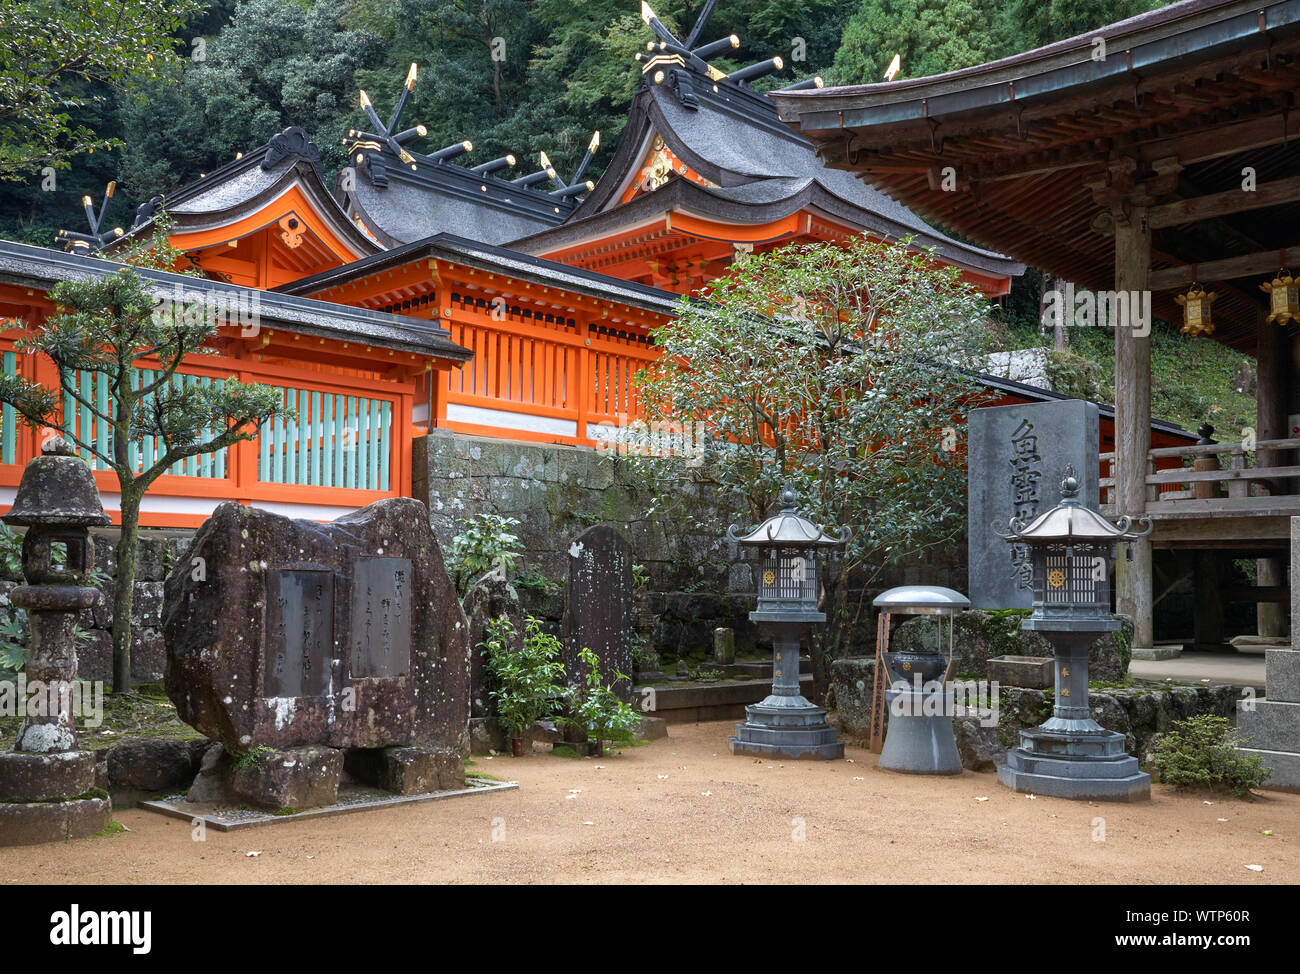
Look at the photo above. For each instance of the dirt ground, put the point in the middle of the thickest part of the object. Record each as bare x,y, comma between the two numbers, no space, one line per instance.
685,810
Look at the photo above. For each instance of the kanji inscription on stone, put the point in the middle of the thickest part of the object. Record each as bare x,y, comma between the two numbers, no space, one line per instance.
299,633
381,617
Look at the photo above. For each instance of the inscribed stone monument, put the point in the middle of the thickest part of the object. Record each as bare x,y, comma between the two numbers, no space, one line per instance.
1017,456
598,606
289,634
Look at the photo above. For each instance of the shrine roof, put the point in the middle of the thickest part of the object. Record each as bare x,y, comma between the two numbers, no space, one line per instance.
758,169
498,260
249,184
41,268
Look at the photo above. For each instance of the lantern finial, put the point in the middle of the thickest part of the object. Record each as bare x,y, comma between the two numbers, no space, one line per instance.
1070,486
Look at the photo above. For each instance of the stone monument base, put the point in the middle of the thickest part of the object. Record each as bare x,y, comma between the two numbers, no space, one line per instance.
309,777
789,727
36,822
1090,767
917,743
1272,727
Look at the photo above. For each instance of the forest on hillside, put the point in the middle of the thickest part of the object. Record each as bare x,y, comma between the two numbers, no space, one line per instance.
518,76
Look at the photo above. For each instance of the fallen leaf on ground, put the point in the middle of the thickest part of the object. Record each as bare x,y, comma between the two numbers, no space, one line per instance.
250,855
1254,868
706,794
982,798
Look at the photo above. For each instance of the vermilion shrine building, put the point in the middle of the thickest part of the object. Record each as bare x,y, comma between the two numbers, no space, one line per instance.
421,291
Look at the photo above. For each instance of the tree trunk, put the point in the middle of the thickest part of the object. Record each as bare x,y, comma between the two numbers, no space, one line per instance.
124,590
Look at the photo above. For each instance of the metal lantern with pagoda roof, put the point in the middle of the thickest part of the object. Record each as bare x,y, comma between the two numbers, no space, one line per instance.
786,723
1071,755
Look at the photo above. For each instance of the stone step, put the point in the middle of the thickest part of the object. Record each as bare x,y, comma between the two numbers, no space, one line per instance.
1134,787
684,703
1121,767
761,668
1274,725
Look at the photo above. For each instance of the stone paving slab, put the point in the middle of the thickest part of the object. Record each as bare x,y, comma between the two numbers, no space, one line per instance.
1236,669
359,800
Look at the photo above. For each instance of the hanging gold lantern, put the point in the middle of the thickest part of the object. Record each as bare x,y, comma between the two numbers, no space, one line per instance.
1196,310
1283,298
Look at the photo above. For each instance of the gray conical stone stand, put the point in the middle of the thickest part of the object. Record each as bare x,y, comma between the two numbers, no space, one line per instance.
919,742
786,724
1071,755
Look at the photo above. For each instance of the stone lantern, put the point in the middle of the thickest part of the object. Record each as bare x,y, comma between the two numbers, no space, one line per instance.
785,723
1071,755
42,778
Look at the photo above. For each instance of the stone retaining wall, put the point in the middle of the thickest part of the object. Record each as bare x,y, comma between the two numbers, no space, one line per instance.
556,492
1140,712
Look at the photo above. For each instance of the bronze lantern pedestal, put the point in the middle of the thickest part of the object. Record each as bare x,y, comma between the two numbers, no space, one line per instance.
46,780
786,724
1070,755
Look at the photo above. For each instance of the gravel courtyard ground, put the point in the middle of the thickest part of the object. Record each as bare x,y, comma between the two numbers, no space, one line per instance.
684,810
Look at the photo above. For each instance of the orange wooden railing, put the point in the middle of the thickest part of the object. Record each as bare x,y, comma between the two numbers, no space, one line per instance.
540,376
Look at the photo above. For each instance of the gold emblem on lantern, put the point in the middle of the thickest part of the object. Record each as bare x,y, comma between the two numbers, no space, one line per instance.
1283,298
1065,691
769,577
1196,310
1056,578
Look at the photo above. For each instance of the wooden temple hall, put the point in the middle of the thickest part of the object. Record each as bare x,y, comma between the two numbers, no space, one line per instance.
1160,156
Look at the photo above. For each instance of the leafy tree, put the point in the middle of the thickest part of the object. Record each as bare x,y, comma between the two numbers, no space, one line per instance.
831,368
932,36
52,50
273,65
106,325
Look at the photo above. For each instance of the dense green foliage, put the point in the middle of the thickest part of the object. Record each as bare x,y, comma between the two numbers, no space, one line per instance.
934,36
524,682
824,367
59,56
1193,380
1200,752
485,541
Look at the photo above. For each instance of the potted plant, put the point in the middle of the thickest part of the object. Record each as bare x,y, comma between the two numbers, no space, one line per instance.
597,707
526,683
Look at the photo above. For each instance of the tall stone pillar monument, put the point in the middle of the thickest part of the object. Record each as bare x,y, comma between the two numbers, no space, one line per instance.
1272,724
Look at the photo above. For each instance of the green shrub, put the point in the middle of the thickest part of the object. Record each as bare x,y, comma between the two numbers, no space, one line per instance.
486,541
524,683
598,708
1201,752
